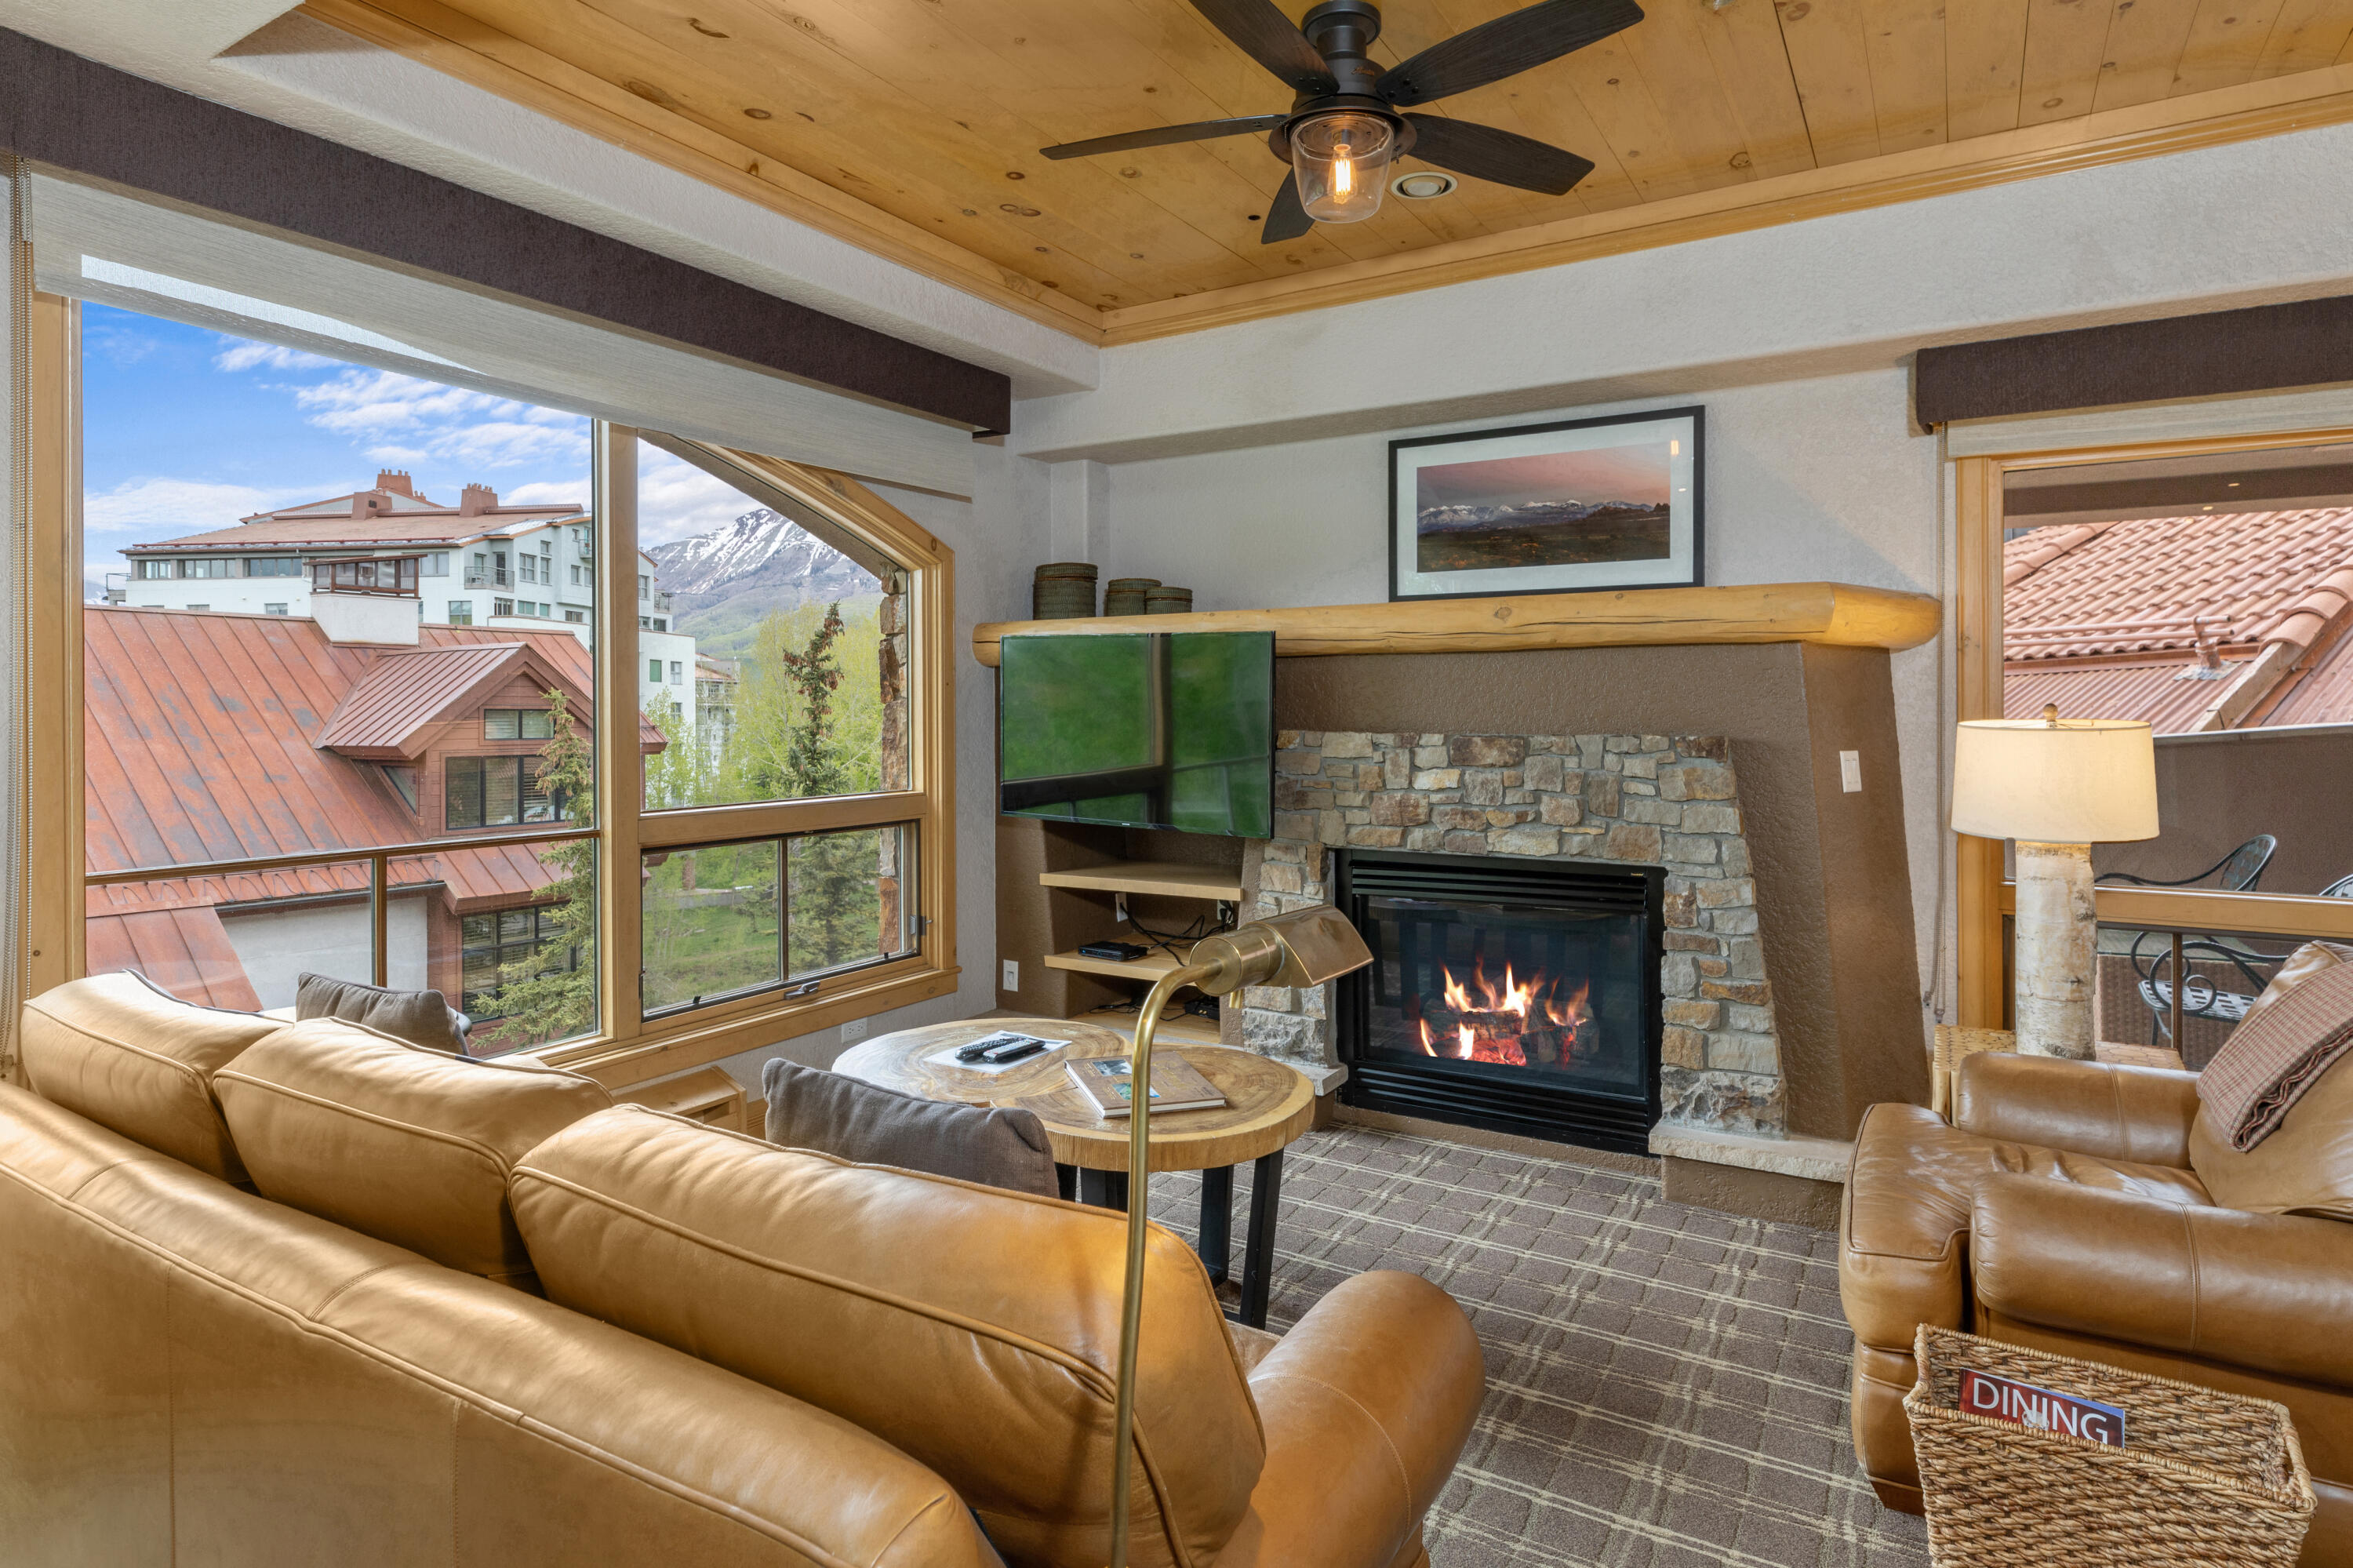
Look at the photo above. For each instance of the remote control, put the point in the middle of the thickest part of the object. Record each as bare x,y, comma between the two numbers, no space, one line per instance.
1004,1053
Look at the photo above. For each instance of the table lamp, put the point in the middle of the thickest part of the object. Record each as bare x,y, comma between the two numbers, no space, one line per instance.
2057,787
1307,947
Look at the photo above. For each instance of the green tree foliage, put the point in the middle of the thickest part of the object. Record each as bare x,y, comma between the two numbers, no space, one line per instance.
807,723
547,996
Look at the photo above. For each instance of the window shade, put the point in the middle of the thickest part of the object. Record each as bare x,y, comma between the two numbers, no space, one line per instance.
122,250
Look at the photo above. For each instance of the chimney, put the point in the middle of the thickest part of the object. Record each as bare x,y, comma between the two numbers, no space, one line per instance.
395,479
369,503
477,499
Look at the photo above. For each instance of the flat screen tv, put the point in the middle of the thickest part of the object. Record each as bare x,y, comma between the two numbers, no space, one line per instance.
1154,730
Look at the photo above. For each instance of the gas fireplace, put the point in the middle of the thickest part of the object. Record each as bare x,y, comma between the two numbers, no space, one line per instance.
1518,995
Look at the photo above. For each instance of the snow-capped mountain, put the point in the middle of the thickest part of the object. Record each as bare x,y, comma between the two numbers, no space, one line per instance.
725,580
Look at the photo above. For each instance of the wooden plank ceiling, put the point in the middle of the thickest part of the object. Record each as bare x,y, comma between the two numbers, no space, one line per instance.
912,126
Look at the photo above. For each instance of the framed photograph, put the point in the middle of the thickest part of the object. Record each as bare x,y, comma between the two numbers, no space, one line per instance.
1585,504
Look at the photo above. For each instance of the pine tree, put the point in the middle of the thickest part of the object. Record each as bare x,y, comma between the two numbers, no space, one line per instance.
538,999
830,894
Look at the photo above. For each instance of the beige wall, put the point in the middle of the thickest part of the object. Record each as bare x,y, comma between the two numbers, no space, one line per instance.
2214,793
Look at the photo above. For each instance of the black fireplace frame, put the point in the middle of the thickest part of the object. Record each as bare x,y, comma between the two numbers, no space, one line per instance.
1503,1099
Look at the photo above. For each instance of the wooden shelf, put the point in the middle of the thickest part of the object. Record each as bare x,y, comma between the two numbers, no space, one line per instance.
1838,614
1150,967
1165,879
1176,1028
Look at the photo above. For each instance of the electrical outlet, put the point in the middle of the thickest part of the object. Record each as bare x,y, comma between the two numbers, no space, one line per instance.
1851,771
1012,975
853,1029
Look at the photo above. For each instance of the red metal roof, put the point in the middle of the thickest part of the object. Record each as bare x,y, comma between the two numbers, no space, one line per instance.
197,731
185,951
403,693
2153,691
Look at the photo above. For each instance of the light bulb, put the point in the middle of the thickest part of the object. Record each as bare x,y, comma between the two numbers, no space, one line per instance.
1341,161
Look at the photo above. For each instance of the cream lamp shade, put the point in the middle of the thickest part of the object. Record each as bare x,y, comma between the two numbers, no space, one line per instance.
2053,780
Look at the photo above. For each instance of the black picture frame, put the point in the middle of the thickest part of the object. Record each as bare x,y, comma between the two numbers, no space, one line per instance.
1684,566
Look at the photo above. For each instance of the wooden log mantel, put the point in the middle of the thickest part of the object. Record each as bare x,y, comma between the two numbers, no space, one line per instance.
1838,614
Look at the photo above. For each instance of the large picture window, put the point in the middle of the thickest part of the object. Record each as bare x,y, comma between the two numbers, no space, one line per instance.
416,792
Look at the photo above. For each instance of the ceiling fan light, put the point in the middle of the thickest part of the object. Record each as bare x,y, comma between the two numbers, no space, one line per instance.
1342,162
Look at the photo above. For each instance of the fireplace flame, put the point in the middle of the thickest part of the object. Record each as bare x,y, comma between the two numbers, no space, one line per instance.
1539,1020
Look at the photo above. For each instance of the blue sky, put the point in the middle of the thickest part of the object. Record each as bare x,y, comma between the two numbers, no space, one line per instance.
186,429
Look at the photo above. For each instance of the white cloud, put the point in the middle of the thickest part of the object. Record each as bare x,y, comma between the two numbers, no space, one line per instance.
161,508
244,354
548,492
677,500
355,401
508,443
120,346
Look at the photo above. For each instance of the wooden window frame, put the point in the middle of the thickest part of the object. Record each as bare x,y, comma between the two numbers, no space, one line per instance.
628,1048
1983,899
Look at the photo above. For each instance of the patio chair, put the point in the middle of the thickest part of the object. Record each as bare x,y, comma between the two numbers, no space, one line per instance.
2237,872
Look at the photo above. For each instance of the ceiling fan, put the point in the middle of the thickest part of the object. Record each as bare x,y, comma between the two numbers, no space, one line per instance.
1345,128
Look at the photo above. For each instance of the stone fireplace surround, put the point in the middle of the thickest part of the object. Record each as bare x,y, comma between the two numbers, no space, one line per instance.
1830,867
1629,800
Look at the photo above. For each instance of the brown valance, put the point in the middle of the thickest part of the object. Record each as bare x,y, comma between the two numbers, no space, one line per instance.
85,119
2264,348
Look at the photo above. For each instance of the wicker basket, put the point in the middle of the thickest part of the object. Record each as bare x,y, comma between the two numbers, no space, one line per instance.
2206,1478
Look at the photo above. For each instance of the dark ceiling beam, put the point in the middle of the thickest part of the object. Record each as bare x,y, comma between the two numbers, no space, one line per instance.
73,114
2264,348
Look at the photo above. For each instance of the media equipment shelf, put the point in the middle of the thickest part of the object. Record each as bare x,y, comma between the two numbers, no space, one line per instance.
1179,1028
1150,967
1162,879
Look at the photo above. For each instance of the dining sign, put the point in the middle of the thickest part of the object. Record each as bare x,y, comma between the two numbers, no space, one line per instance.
2040,1409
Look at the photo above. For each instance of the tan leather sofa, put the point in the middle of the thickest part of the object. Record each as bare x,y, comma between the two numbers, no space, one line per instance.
2089,1210
280,1294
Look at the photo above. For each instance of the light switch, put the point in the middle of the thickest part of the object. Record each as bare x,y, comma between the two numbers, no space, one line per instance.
1012,974
1851,771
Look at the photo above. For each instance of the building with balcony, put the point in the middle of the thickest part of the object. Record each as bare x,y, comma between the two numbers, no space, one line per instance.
477,563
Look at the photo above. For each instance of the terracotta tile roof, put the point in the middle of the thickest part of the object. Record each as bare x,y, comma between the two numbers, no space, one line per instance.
2104,617
2134,586
197,734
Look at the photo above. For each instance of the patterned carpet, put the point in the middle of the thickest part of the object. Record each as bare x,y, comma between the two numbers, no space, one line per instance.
1666,1385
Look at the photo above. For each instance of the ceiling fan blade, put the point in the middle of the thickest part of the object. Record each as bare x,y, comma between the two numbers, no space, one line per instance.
1165,136
1285,218
1484,152
1266,35
1505,47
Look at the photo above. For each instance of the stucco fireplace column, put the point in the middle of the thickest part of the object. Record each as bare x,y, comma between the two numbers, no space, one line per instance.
2057,787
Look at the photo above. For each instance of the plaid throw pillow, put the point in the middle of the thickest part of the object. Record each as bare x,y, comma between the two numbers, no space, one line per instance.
2277,1053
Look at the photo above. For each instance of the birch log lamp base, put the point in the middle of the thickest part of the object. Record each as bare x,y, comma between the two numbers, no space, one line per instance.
2056,786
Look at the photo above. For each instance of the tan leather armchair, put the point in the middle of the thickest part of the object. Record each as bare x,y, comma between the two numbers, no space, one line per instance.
2080,1208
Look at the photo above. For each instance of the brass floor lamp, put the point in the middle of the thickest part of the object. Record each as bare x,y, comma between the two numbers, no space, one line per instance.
1307,947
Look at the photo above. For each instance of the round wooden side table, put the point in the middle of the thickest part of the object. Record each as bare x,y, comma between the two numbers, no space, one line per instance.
1267,1106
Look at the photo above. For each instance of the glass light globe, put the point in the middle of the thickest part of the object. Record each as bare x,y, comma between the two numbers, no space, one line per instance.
1342,159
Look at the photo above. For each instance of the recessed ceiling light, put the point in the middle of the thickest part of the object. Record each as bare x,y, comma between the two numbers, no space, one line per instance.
1423,184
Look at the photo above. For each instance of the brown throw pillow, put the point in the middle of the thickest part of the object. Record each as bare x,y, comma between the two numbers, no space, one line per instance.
419,1017
2277,1053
